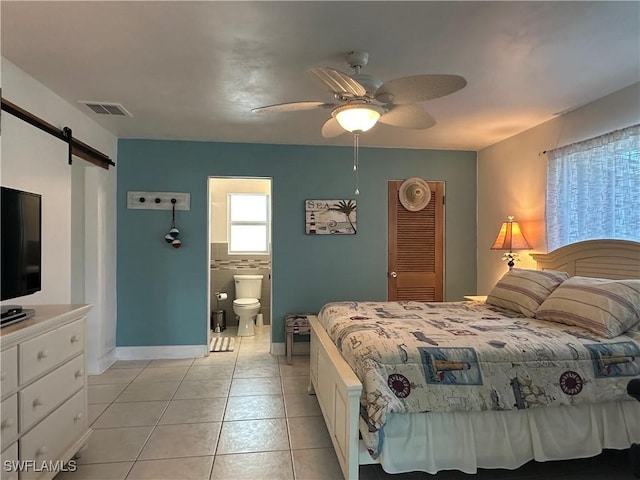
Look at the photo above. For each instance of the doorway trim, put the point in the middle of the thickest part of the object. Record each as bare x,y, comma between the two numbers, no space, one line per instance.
210,259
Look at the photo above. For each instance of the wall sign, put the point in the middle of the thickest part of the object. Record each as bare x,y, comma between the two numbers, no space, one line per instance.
330,217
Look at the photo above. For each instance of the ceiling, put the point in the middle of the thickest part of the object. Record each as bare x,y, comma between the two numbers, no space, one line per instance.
194,70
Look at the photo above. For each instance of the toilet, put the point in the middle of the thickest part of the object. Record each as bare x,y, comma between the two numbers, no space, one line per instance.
247,302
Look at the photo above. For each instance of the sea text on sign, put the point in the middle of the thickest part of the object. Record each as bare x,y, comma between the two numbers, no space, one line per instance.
315,205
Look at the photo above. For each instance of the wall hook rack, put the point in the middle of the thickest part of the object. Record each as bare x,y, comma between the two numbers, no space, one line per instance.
158,200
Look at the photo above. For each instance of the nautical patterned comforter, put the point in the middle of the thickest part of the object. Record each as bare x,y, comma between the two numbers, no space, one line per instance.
468,356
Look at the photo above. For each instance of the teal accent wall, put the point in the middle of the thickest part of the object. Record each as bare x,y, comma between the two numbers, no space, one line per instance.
162,292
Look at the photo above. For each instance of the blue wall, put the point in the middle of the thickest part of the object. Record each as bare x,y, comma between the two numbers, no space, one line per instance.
162,292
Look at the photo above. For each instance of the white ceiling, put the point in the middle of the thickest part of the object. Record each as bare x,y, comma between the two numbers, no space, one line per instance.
194,70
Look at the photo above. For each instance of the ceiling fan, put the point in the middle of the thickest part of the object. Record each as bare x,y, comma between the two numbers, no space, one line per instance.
362,100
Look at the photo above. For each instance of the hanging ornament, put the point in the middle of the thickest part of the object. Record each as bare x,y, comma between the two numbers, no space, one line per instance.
172,236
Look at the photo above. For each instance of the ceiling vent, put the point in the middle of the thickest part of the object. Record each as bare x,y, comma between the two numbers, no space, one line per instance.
103,108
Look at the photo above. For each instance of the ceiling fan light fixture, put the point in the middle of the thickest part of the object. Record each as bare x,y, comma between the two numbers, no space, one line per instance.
357,117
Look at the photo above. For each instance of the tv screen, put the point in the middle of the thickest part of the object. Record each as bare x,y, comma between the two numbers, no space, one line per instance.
20,243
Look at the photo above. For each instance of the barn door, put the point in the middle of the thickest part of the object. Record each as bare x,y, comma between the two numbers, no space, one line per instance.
416,247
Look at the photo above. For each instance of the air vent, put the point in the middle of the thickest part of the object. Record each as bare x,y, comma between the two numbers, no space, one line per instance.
103,108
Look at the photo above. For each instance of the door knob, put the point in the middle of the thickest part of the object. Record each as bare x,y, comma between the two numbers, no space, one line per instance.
393,274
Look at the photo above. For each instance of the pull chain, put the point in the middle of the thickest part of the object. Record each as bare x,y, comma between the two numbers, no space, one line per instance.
356,145
173,215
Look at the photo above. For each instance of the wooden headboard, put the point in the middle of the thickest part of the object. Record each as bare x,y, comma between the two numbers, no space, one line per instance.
615,259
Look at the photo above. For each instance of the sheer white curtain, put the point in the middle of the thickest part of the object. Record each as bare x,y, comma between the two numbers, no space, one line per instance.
593,189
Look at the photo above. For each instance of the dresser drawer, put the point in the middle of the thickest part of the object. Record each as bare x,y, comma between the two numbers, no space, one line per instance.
9,370
9,422
46,394
55,434
49,349
9,455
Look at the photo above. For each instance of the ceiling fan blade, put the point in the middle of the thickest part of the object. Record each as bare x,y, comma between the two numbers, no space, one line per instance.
293,106
407,116
337,82
332,128
419,88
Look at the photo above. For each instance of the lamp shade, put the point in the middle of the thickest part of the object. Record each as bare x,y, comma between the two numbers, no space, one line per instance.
510,237
357,117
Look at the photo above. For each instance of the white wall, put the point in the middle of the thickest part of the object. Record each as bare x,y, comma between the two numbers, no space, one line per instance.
512,176
78,252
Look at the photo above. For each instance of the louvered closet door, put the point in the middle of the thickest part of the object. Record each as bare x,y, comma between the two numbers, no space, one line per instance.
416,247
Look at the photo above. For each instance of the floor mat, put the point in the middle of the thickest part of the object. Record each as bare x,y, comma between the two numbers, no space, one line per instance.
222,344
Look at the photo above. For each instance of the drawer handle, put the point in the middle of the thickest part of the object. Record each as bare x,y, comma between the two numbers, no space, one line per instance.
6,423
79,373
36,403
77,417
75,338
41,451
43,354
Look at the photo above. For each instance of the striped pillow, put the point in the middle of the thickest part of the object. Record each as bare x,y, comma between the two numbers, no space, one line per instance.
605,307
523,290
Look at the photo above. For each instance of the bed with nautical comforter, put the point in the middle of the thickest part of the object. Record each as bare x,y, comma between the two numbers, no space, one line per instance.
537,371
414,357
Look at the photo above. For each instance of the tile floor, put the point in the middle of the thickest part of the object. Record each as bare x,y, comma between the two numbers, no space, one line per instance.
238,415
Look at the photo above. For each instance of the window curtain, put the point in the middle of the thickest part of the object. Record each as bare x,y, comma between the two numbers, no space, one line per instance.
593,189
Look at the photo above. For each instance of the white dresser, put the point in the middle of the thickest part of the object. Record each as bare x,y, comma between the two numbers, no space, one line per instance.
44,391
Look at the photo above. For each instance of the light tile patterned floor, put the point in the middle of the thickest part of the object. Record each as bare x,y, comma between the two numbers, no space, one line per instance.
239,415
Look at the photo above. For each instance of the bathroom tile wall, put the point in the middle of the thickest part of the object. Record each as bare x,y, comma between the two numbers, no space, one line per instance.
225,266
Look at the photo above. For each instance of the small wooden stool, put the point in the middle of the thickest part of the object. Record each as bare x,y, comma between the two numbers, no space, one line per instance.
295,324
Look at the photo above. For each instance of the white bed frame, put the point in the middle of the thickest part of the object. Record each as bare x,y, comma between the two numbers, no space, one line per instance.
338,389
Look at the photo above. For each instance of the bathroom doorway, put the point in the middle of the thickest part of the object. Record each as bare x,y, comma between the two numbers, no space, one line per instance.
239,244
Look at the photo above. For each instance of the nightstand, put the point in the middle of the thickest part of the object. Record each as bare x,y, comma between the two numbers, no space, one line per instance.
476,298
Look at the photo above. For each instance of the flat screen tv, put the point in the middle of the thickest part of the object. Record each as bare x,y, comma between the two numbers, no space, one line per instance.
20,243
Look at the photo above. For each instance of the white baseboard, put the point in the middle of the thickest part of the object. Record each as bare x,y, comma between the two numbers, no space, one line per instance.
98,367
162,351
277,349
299,348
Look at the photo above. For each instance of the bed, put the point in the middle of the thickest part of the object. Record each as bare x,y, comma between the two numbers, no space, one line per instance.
431,387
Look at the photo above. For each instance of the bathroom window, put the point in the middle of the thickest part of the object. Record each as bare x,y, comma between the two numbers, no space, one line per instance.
248,223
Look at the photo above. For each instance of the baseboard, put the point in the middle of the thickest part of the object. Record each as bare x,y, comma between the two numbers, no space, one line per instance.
299,348
99,366
277,349
161,351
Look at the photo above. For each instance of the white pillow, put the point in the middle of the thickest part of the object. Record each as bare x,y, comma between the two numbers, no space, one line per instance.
523,291
605,307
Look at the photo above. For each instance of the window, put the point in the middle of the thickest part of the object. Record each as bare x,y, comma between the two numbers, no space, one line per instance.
593,189
248,223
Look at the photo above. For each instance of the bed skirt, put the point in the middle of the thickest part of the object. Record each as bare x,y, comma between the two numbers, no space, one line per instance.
507,439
